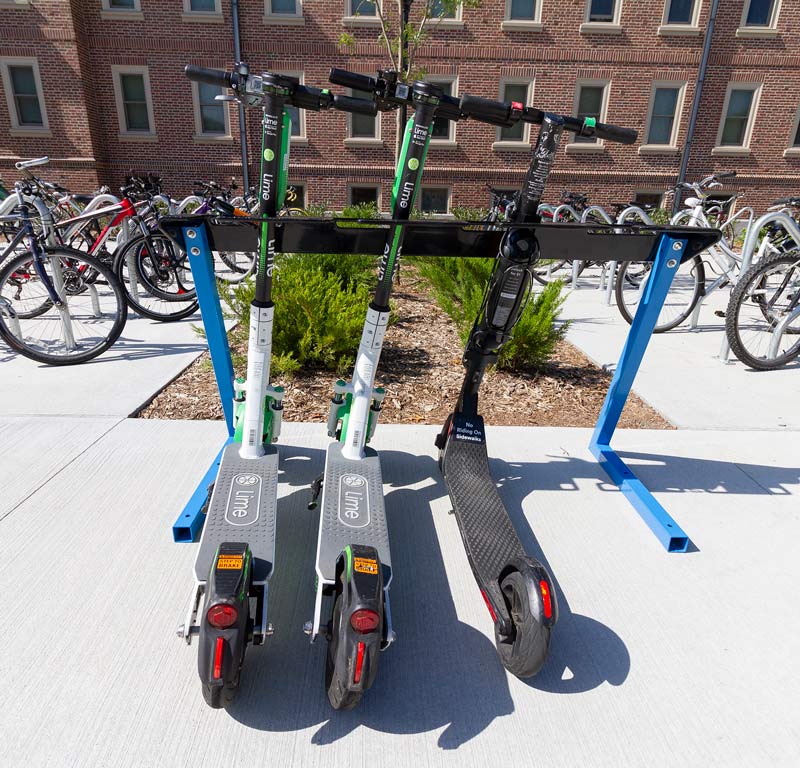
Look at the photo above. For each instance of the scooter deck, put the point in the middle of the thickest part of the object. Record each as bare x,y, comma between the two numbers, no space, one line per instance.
486,529
352,510
242,509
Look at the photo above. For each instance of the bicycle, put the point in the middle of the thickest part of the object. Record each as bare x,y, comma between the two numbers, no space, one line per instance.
58,305
689,290
762,319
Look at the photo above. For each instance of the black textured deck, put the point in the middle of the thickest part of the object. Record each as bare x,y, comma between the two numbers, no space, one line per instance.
486,530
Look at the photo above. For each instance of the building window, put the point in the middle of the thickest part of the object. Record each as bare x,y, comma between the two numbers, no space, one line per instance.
590,102
760,13
284,8
364,194
648,199
121,5
435,200
361,8
523,10
444,130
202,6
296,196
23,88
665,105
680,12
440,10
734,131
520,92
363,126
134,102
603,11
211,117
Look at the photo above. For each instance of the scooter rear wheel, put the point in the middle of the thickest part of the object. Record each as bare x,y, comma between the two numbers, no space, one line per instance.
335,678
220,696
523,654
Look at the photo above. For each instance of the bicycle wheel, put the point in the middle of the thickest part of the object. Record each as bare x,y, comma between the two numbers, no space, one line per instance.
683,295
162,267
767,295
549,270
139,293
234,266
90,320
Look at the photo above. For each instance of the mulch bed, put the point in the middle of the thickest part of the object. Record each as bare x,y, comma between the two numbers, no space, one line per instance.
421,371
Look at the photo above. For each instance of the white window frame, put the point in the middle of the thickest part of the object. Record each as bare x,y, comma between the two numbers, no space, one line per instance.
792,150
515,145
769,31
16,128
354,20
122,14
456,21
284,18
364,185
302,138
451,141
613,27
362,141
449,189
214,16
690,28
597,145
198,121
124,133
672,147
744,149
523,25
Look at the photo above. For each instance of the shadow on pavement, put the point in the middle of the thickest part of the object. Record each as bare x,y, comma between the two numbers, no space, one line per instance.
441,672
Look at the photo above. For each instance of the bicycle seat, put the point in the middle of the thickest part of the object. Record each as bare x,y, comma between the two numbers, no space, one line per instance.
32,163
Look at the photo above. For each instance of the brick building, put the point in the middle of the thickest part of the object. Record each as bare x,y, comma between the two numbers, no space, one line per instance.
98,85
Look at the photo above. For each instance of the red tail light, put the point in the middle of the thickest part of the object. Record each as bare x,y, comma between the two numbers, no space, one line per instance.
222,615
546,601
359,663
218,658
364,621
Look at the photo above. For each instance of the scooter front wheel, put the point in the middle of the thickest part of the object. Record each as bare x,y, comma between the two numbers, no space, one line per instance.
337,675
524,653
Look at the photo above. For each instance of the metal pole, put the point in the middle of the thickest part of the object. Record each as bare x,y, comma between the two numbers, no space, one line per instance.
237,55
698,92
403,64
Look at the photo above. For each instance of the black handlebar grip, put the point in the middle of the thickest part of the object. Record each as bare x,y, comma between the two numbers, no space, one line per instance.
359,106
352,80
616,133
725,175
485,110
449,108
306,97
209,76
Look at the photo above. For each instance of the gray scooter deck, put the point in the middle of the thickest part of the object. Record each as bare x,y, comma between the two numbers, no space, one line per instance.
352,510
242,508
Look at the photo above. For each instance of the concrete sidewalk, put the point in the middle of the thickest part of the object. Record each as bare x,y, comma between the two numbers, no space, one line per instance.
658,659
109,385
681,376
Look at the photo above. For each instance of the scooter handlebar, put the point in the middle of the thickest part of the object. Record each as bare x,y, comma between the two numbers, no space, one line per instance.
210,76
352,80
358,106
485,110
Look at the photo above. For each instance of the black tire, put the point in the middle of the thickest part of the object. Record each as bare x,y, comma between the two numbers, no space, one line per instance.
219,696
336,679
76,266
525,653
749,337
159,264
549,270
140,299
682,297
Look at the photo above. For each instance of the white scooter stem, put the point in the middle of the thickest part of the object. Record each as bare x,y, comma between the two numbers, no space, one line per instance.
259,355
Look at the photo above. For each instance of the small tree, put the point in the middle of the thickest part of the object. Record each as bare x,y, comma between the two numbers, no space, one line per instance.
402,38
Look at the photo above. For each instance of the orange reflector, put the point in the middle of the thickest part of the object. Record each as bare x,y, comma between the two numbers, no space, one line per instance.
359,662
218,658
489,606
548,605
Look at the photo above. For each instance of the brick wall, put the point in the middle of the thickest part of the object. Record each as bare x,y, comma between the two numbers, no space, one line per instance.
76,46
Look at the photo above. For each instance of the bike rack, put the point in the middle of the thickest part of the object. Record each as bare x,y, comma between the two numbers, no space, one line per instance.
669,246
748,250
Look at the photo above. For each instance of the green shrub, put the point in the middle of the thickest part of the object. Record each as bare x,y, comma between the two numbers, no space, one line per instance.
459,285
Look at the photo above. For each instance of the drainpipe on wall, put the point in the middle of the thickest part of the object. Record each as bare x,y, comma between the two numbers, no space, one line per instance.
237,55
698,92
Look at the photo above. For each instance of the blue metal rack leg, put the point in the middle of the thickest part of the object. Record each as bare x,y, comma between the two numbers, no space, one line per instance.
190,521
668,532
